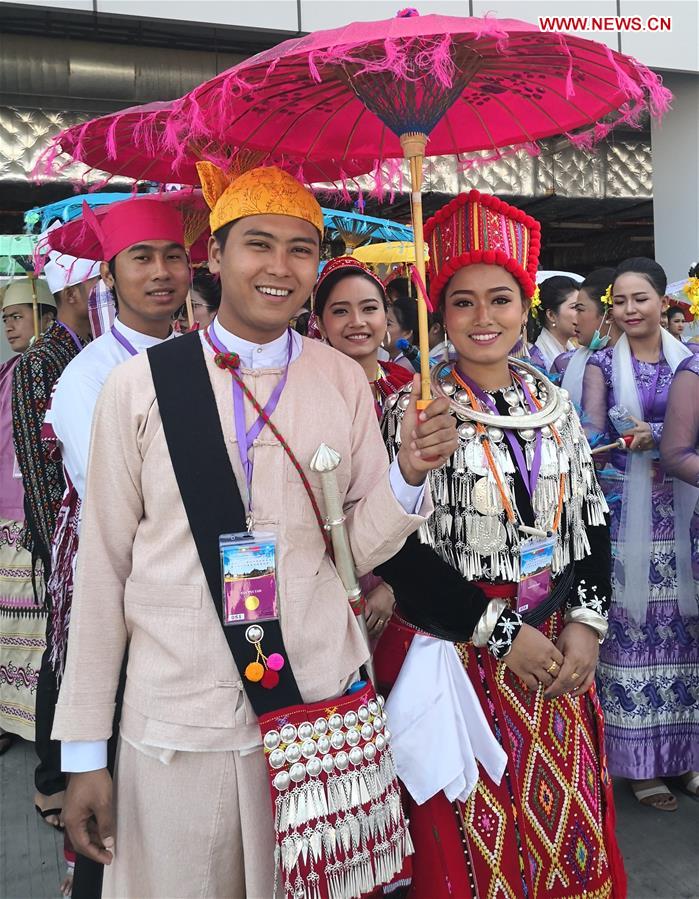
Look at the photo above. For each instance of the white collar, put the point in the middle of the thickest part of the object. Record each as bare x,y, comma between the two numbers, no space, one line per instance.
259,355
138,341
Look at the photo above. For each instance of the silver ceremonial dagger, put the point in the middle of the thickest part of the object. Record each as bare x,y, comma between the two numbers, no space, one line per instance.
325,462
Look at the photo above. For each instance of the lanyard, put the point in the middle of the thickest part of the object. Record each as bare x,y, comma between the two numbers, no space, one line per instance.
245,438
529,477
76,340
119,337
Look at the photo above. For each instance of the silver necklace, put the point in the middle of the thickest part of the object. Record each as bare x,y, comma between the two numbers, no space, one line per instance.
555,401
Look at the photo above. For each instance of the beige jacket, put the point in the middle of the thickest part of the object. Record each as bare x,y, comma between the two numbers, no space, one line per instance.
140,586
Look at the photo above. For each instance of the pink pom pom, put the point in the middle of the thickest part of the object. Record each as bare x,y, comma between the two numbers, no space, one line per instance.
276,662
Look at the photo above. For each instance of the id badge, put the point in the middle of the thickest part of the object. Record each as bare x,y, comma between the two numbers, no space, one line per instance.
535,561
249,577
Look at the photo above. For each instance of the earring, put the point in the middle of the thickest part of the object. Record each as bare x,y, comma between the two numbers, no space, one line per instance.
524,341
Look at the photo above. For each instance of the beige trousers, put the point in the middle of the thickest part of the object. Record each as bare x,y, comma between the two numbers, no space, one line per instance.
200,826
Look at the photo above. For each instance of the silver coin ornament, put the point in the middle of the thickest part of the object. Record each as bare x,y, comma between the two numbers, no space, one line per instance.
367,731
363,713
309,748
404,402
314,767
321,726
353,736
281,781
378,723
370,752
305,730
277,758
342,761
272,739
466,431
356,756
323,745
374,707
297,773
474,458
486,498
328,763
337,739
381,701
496,434
335,722
293,753
486,533
351,719
288,733
528,434
380,742
254,633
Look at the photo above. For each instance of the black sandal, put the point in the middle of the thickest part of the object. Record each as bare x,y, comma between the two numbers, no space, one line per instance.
7,741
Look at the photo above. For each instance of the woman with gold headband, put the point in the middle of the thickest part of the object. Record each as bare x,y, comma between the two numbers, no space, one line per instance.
497,735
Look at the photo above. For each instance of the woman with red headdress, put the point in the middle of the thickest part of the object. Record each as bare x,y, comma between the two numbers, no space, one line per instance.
497,730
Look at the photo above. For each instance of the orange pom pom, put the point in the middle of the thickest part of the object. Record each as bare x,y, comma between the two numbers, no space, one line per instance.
254,672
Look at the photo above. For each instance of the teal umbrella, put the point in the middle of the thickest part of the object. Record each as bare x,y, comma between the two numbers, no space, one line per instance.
17,254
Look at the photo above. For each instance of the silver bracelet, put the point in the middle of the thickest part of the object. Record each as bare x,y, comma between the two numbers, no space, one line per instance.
483,631
581,615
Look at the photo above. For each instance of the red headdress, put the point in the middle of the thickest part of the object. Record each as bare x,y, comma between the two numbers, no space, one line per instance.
477,228
105,232
347,262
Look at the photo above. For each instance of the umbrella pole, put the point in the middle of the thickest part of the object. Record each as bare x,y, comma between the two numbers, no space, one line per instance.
413,145
35,306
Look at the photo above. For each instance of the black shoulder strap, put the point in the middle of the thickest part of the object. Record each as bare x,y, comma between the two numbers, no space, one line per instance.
210,494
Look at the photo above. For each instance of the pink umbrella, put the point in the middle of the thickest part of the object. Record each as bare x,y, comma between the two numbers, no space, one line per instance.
146,143
382,90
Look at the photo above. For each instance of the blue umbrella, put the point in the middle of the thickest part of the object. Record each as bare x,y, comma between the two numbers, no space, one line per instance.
357,229
39,218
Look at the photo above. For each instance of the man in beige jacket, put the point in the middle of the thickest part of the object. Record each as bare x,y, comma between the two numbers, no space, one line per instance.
191,813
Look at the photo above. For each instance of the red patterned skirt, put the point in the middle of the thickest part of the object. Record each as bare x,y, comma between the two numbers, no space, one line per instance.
547,830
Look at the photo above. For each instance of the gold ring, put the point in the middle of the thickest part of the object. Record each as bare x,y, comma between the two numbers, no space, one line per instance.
574,675
553,667
380,621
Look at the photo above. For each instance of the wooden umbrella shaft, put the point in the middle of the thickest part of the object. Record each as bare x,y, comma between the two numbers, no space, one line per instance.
414,150
35,306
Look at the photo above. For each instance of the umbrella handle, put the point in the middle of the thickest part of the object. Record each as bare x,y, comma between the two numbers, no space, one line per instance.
413,145
35,305
190,311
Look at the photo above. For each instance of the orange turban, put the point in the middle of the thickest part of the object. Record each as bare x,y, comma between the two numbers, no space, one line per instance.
262,191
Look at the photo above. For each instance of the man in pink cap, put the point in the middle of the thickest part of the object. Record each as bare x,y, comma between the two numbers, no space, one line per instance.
141,245
144,261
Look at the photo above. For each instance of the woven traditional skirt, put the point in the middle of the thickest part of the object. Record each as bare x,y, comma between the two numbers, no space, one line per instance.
22,634
547,830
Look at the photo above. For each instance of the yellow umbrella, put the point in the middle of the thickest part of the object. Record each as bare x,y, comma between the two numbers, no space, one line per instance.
387,253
